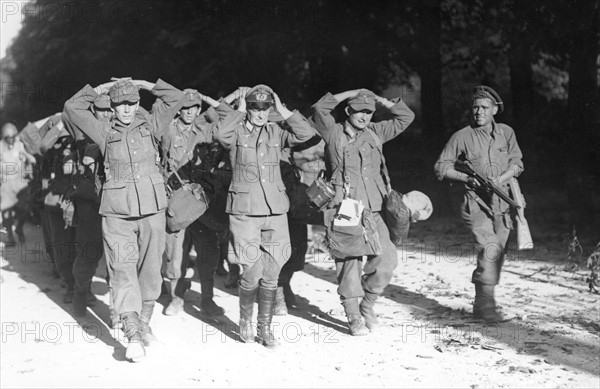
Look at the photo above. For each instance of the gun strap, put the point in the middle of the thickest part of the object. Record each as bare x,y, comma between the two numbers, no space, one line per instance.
384,169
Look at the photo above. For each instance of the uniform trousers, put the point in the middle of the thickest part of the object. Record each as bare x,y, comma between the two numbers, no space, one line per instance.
133,249
378,270
261,245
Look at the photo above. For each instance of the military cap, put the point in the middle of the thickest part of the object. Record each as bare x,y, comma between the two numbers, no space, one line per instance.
260,95
364,100
419,204
124,90
102,102
485,92
191,98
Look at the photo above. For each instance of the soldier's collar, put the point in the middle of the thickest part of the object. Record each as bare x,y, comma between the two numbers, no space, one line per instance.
251,127
137,121
495,128
184,127
351,132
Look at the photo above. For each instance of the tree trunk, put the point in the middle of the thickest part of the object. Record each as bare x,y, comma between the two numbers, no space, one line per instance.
430,71
583,158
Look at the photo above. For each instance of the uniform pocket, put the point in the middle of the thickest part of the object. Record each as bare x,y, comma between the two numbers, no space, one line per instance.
116,150
239,197
114,199
160,193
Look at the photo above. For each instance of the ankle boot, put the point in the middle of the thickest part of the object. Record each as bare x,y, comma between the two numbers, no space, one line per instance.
266,303
355,320
135,348
367,311
220,270
484,306
177,289
284,281
233,276
280,305
247,299
148,337
207,303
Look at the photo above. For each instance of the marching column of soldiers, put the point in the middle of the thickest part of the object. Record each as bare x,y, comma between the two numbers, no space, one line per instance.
107,168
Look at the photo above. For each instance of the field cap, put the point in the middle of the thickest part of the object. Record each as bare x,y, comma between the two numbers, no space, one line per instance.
191,98
364,100
102,102
124,91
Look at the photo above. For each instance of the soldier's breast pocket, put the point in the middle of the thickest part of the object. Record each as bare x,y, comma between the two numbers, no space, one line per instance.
116,149
146,140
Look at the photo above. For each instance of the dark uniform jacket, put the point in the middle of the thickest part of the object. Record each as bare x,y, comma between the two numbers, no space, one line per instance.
355,154
257,187
134,183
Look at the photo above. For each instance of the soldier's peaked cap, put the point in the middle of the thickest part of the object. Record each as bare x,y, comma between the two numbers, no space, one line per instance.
260,94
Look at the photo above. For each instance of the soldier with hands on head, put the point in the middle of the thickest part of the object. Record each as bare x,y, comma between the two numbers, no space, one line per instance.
353,152
188,149
133,199
257,203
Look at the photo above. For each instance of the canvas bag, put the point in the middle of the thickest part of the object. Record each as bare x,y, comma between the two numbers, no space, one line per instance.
185,205
351,241
396,213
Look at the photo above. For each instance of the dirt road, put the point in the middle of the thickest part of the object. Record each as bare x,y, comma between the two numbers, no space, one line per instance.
427,338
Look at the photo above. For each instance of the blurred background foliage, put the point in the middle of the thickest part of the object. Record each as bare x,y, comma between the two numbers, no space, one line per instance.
542,56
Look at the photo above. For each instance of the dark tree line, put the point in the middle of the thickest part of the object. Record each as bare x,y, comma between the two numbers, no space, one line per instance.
541,55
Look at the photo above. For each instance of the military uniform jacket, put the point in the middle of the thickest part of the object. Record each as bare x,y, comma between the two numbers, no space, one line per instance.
175,142
257,187
490,155
134,183
354,155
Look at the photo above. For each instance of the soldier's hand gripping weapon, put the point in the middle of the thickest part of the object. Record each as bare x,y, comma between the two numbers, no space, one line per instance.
486,184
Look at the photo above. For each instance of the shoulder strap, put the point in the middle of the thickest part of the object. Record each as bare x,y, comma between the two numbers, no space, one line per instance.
384,170
188,150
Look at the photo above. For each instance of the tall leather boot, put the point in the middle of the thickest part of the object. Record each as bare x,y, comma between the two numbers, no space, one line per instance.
207,304
266,303
355,320
280,305
247,299
367,311
484,306
148,337
135,348
233,276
